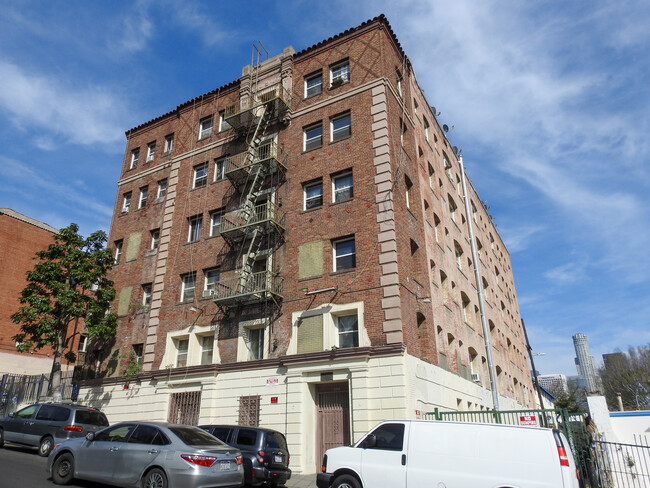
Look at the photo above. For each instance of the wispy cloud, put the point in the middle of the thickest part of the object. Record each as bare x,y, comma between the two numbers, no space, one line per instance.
518,237
135,29
45,106
74,200
567,273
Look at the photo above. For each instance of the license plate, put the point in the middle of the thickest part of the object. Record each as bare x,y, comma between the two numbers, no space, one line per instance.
277,459
224,466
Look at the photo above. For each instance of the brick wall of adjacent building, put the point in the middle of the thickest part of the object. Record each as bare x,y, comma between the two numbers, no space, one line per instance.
20,238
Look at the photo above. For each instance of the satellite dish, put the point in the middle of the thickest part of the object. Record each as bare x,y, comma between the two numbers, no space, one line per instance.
445,127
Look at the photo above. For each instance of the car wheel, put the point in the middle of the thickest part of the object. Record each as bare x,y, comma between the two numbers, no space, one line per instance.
346,481
46,446
63,469
2,437
154,479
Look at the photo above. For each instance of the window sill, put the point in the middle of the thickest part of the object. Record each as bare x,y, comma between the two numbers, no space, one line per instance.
308,97
159,200
334,86
312,149
341,201
341,139
343,271
205,136
313,209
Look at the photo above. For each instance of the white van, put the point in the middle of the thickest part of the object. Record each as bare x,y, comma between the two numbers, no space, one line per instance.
421,453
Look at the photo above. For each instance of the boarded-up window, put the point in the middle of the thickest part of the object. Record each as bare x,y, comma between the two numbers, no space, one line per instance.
249,410
310,334
310,259
184,408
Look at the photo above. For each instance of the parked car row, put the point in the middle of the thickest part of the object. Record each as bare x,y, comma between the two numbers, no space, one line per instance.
80,444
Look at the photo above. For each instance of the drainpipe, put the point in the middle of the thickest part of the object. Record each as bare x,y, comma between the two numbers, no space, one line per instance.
479,288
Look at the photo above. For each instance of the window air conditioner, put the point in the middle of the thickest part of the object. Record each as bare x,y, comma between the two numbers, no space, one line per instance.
476,377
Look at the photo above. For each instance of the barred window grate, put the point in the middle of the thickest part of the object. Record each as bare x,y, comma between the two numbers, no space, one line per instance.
249,410
184,408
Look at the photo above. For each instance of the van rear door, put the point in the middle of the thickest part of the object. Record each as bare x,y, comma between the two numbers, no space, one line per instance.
383,460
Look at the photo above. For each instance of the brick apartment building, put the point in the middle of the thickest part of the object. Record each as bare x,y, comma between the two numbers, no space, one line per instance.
292,251
20,238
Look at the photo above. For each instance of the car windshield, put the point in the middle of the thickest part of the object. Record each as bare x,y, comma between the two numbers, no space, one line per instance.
91,417
193,436
275,440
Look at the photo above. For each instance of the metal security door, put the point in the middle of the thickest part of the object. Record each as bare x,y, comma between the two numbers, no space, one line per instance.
333,418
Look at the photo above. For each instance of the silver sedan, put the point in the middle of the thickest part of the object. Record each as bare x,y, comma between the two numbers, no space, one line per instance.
148,455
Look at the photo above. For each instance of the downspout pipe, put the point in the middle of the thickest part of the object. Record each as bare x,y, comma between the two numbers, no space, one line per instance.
479,288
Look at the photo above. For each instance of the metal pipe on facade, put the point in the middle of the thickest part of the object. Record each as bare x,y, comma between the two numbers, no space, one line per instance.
479,288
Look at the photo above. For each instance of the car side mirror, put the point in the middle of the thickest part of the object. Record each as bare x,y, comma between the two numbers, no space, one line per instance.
90,436
369,441
12,414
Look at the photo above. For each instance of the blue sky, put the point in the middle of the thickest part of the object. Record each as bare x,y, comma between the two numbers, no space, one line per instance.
548,100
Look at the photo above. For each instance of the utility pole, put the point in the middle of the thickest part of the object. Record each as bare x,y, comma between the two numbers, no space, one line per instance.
532,363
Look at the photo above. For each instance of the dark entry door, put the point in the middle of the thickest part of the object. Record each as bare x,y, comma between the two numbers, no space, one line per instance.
333,418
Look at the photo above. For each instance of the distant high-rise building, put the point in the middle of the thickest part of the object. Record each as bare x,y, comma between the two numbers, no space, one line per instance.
585,363
553,382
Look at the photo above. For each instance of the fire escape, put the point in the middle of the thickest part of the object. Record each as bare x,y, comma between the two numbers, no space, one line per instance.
254,230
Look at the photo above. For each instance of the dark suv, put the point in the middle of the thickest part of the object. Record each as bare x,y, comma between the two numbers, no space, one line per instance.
266,457
44,424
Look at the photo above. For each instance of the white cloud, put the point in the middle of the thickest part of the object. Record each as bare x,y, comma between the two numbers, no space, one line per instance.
42,106
518,237
567,273
14,173
136,28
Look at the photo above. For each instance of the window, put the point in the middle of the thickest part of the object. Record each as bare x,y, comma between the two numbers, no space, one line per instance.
313,136
426,129
211,280
348,326
137,352
207,349
402,131
215,223
313,194
339,73
162,189
83,343
135,155
255,344
118,250
181,352
200,175
436,227
474,212
146,294
219,169
448,169
399,79
223,123
342,188
459,255
388,437
194,228
205,127
432,176
340,126
187,289
126,202
151,151
313,84
408,184
452,207
169,144
144,191
155,239
344,254
467,308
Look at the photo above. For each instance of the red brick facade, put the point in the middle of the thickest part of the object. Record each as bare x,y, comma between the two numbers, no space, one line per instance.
20,238
416,288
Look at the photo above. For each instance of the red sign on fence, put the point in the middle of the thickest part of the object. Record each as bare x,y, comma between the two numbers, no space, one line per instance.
528,420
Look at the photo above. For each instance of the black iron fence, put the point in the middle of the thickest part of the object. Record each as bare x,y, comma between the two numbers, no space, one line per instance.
18,390
622,465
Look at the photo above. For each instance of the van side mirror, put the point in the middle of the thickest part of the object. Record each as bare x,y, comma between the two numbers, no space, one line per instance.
369,441
90,436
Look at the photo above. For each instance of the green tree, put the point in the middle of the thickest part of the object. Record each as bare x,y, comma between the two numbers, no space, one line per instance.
68,283
573,399
627,374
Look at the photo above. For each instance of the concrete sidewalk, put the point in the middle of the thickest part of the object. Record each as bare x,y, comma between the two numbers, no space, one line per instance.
302,481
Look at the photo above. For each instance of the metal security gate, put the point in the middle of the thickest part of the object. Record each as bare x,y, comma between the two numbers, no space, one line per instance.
333,418
622,465
184,408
